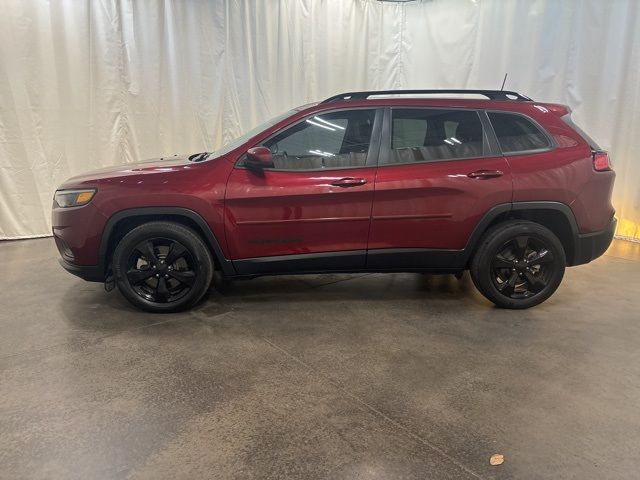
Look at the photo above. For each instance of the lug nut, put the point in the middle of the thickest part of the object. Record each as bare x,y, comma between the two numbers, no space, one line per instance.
157,275
166,276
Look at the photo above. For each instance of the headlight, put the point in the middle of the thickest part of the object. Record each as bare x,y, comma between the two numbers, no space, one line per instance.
73,198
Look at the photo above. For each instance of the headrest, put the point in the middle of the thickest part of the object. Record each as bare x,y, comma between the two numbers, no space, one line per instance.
435,136
469,131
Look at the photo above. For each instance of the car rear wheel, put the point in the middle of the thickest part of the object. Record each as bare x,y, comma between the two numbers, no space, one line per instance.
162,267
518,264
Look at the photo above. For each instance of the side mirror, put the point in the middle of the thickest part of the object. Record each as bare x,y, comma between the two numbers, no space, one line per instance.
259,158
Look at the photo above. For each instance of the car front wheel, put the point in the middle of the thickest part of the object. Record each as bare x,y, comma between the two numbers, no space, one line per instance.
518,264
162,267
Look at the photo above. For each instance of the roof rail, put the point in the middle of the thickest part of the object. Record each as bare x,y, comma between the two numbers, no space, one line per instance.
490,94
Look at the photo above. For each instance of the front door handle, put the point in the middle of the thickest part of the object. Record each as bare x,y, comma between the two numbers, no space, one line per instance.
482,174
348,182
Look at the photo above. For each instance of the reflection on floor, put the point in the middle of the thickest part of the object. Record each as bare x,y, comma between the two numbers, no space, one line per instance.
624,249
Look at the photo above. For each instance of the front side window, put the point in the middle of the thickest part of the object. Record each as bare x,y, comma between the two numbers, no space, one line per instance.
330,140
422,135
516,133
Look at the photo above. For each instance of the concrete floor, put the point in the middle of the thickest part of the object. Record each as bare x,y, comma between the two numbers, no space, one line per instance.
342,376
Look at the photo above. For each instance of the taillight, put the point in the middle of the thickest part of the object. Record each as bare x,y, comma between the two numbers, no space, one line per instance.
601,161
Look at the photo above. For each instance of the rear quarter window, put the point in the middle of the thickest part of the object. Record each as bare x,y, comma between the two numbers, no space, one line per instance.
516,133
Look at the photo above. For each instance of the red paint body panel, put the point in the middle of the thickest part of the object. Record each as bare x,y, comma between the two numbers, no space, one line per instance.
434,205
564,175
286,212
167,183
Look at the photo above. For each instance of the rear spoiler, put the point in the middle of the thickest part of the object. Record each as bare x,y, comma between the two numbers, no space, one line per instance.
557,108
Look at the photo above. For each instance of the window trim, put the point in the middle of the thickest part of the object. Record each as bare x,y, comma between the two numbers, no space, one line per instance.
552,143
489,150
372,153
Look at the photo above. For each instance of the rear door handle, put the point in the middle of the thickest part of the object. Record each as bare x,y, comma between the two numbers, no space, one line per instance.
482,174
348,182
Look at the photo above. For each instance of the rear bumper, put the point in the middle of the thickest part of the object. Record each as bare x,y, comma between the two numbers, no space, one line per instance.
90,273
590,246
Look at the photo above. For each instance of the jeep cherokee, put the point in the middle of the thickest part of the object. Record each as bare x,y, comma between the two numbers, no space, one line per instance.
381,181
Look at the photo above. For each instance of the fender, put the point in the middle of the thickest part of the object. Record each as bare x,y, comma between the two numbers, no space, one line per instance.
561,207
501,209
210,239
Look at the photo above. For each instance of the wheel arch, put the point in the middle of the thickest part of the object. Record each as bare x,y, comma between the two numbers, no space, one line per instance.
120,223
556,216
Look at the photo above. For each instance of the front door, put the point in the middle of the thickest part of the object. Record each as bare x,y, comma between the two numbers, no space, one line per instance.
311,210
437,178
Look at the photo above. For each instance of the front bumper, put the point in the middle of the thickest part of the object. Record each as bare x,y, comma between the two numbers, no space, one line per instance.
90,273
77,232
590,246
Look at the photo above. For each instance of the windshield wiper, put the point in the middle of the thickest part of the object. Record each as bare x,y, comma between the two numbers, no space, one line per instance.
198,157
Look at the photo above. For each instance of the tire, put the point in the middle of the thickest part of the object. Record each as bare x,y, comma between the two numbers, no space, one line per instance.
518,264
148,281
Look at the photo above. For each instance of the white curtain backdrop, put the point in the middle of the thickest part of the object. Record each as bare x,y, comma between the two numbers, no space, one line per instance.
86,84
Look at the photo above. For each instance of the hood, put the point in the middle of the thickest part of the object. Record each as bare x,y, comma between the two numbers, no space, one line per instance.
149,166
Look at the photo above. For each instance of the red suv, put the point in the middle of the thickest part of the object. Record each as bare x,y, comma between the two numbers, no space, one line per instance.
382,181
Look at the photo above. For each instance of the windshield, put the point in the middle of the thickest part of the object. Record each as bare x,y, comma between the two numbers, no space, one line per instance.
247,136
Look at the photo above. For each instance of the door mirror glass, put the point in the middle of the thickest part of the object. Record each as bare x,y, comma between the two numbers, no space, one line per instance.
259,158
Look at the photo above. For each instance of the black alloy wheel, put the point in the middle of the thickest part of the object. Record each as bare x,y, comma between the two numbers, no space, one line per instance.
522,267
162,267
161,270
518,264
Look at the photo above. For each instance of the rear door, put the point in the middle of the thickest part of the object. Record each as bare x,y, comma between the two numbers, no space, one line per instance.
311,210
437,177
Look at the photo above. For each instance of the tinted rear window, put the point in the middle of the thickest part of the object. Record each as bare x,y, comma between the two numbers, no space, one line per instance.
517,134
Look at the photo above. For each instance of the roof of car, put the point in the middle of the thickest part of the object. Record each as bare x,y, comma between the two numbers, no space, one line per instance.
502,95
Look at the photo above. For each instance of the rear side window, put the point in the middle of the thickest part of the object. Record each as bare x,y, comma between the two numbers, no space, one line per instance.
422,135
517,134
